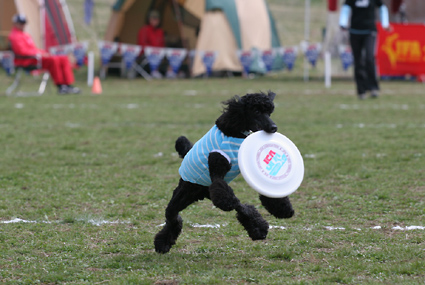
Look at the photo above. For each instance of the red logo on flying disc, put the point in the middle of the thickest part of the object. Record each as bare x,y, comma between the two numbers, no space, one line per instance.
273,161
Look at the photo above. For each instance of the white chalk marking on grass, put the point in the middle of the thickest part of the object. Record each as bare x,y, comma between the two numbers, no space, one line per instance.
199,106
159,154
19,105
100,222
190,92
132,106
96,222
215,226
18,220
330,228
277,227
403,107
408,228
62,106
376,126
90,106
72,125
309,155
347,107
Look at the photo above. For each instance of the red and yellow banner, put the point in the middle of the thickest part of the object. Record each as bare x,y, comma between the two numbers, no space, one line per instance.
401,50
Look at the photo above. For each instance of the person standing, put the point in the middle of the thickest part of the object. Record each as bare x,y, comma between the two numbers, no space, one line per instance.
362,40
58,66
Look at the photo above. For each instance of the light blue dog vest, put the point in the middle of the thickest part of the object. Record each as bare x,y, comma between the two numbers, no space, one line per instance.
194,167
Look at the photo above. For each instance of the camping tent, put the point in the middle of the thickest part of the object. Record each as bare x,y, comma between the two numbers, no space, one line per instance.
230,25
49,21
205,25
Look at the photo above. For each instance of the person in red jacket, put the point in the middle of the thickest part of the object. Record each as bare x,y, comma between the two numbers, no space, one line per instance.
59,67
151,34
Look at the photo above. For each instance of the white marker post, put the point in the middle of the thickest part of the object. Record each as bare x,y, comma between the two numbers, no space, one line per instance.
328,69
90,69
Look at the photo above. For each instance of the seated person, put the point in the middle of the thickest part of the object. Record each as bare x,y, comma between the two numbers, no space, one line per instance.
58,66
152,35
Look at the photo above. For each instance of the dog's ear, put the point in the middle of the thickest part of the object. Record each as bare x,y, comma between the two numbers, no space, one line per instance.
271,95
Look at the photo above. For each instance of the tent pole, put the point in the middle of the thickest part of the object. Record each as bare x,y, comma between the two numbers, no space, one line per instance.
42,24
306,36
68,20
179,22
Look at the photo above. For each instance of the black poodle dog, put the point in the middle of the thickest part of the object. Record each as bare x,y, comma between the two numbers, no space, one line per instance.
210,164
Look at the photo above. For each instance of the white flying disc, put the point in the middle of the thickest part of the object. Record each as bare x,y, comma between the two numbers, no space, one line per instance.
271,164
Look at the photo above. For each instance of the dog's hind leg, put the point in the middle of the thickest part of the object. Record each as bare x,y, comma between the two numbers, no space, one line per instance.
183,145
185,194
222,196
281,208
256,226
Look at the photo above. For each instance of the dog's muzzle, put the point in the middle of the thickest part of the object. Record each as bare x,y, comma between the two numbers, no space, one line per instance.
272,128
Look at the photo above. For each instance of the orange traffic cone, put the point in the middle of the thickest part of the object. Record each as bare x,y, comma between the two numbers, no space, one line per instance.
97,87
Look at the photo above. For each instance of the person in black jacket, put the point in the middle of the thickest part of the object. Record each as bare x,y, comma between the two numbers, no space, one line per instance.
362,39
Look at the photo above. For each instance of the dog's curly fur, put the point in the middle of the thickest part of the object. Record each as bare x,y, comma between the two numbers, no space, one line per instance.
240,116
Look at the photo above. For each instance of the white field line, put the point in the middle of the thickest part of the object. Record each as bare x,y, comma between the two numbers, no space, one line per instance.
380,126
96,222
403,107
99,222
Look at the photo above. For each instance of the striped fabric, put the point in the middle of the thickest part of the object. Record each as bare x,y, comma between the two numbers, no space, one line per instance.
194,167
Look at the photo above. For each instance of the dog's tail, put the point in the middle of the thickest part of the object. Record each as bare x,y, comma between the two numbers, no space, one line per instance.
183,145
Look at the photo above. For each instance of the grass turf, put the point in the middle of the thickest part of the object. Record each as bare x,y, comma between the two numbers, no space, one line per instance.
92,175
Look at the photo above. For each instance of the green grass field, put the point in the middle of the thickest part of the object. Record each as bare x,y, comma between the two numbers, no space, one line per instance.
91,175
84,180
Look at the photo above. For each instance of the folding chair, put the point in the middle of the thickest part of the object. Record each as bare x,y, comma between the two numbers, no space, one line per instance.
13,89
114,63
119,63
139,68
